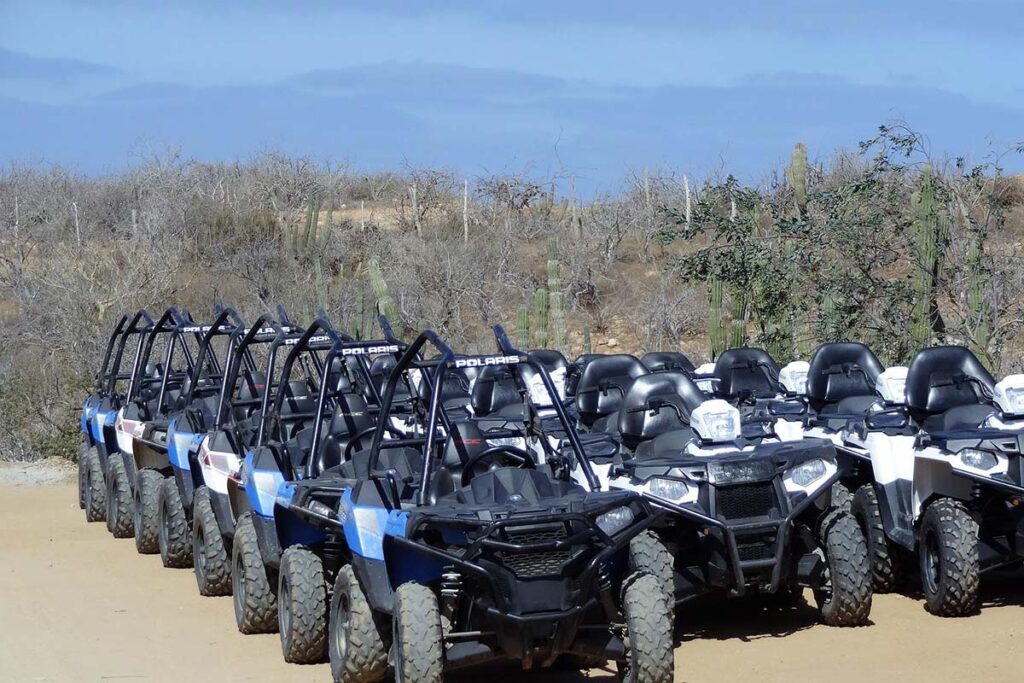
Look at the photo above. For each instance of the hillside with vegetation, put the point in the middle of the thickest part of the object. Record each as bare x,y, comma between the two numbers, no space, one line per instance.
882,244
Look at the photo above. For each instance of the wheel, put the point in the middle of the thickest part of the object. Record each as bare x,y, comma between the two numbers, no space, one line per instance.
881,553
209,557
416,629
845,598
648,554
119,499
358,642
949,559
83,451
302,606
95,487
649,631
147,511
842,496
174,539
255,602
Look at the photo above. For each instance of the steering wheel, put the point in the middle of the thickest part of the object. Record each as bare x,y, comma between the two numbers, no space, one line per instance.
359,436
523,459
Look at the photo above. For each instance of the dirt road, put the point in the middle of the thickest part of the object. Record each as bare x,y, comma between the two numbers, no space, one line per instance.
77,605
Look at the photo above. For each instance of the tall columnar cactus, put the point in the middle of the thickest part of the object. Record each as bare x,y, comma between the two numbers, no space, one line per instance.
738,324
716,322
380,290
556,313
930,231
523,328
796,174
588,345
540,314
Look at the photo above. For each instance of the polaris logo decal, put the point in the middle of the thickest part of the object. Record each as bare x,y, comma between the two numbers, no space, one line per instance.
366,350
482,361
318,339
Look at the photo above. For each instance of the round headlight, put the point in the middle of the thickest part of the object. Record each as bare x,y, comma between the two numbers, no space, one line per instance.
807,473
669,489
614,521
979,460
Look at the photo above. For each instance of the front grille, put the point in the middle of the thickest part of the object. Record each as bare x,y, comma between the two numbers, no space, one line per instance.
746,500
529,565
754,551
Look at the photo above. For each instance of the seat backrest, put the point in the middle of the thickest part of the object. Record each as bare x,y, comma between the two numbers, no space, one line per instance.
551,359
667,361
604,383
944,377
655,404
380,371
841,370
495,388
747,371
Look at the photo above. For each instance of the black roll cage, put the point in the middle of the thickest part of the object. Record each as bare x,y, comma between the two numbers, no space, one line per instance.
433,372
101,374
226,323
139,325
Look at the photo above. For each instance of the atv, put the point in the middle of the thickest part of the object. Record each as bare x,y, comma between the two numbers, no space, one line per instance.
136,478
445,551
947,481
315,395
100,413
90,472
745,513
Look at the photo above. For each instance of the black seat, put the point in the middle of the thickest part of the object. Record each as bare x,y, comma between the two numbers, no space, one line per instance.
494,389
575,371
666,445
667,361
655,404
524,486
380,371
747,372
406,462
551,359
948,379
604,383
843,375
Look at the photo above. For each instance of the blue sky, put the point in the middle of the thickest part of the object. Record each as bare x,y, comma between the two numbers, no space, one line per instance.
582,88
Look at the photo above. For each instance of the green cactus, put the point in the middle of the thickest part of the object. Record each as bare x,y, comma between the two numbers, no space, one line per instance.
738,324
523,328
556,310
540,313
930,231
588,346
716,323
380,290
796,174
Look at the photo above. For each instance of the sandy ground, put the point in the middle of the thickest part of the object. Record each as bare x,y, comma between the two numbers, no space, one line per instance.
77,605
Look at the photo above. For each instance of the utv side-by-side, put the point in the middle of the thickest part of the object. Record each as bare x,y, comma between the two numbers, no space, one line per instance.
747,511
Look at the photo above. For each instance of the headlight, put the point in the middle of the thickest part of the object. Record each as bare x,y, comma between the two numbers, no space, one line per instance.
669,489
614,521
979,460
716,421
805,474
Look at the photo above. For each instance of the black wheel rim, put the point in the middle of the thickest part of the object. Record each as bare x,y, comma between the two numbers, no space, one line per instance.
931,562
284,609
199,551
238,590
340,624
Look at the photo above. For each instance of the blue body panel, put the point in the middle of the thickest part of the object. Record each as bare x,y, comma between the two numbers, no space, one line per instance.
180,444
262,499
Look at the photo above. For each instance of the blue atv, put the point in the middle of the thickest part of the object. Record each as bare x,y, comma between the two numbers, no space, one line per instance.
323,379
191,418
212,477
448,546
99,414
90,473
136,477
